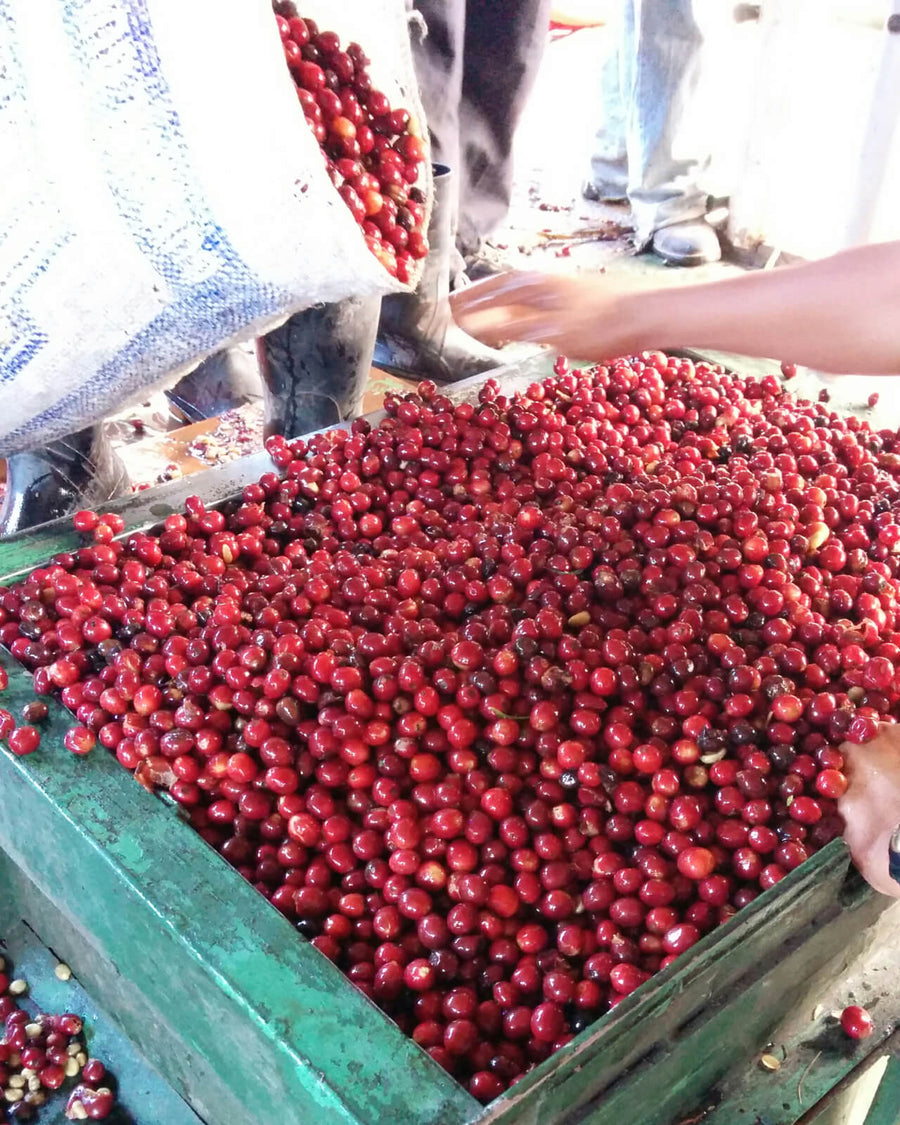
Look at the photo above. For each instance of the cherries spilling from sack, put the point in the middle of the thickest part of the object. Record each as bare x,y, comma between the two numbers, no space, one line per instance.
373,152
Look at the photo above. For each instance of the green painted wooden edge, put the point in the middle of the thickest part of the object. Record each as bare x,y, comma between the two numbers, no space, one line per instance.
684,1068
817,1059
269,1013
694,1071
129,1010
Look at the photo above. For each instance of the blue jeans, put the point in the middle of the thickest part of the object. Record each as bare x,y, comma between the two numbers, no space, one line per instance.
648,85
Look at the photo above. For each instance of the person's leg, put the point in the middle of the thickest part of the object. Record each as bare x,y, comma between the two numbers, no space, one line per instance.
417,334
608,177
662,46
438,60
504,43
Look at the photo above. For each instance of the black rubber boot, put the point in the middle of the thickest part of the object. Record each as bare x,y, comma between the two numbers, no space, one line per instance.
226,380
315,366
418,335
79,471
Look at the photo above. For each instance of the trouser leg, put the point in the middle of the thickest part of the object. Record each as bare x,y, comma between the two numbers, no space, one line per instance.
609,157
661,47
438,59
476,68
504,44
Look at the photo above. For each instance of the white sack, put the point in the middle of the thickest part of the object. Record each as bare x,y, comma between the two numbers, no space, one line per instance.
161,193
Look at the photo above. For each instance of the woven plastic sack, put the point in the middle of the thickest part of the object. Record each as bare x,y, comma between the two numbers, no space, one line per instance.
162,194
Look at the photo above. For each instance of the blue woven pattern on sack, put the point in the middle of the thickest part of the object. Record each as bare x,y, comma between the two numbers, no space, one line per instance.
207,293
225,311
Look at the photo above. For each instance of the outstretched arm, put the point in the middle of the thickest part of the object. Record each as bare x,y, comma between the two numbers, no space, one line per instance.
840,314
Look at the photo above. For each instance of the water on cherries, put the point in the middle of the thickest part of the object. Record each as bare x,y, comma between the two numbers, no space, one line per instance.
373,152
504,704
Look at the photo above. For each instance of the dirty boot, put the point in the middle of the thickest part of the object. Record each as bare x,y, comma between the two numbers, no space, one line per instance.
315,366
78,471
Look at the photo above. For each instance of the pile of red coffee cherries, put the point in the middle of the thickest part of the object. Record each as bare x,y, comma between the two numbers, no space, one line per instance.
38,1054
373,153
504,705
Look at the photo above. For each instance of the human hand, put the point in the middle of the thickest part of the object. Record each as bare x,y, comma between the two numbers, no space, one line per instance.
871,805
585,317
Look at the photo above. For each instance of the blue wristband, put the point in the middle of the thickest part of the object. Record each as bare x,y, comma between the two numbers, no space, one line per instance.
894,856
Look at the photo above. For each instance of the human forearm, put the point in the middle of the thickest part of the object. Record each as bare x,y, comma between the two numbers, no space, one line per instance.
841,314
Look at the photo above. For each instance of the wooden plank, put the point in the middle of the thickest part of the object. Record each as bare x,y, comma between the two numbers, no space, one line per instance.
852,1097
885,1109
734,1036
816,1055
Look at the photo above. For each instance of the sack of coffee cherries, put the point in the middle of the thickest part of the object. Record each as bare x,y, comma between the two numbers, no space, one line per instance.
167,190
